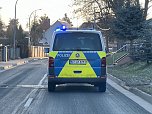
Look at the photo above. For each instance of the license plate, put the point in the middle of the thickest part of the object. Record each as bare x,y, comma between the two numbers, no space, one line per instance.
78,62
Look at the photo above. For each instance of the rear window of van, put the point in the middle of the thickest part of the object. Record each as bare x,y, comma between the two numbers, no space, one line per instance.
77,41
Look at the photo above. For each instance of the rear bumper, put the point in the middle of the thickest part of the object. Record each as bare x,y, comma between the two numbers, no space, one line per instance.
77,80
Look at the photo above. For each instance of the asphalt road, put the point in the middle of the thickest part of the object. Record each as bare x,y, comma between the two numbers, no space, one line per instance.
23,90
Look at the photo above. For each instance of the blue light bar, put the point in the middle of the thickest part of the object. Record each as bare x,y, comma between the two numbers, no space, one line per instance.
57,29
62,28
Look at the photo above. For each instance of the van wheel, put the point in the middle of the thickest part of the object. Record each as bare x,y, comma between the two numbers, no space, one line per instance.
51,87
102,87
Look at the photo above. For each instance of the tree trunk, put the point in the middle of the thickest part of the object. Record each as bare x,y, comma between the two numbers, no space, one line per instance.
137,2
146,8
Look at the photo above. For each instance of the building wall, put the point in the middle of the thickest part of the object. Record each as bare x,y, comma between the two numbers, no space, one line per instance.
49,32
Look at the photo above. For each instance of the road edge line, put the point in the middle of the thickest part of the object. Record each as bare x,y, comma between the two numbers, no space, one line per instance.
141,102
28,102
134,90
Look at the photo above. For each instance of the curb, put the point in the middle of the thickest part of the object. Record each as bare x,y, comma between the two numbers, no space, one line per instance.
20,63
6,67
14,65
142,94
135,91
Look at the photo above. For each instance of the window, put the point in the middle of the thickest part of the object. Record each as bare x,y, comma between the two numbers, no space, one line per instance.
77,41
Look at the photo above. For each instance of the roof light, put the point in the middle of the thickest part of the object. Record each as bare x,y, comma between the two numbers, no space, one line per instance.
62,28
57,29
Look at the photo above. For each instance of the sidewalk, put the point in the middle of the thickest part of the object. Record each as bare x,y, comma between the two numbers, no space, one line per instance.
12,63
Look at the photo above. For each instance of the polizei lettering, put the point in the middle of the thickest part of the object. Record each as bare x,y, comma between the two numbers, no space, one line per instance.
63,55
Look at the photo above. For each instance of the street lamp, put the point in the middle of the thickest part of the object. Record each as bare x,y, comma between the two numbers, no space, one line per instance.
14,38
0,14
30,25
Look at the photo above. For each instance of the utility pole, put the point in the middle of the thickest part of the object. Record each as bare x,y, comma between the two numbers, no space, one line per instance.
0,13
94,21
14,38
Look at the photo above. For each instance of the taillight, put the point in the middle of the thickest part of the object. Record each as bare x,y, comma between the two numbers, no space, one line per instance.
103,62
51,62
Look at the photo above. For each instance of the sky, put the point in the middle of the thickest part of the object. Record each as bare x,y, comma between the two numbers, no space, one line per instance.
54,9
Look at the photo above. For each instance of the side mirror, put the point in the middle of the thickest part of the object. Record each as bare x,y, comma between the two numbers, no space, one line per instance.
46,50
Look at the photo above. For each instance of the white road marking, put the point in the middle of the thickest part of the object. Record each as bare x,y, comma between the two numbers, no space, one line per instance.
35,86
32,86
28,102
28,96
41,81
147,106
17,108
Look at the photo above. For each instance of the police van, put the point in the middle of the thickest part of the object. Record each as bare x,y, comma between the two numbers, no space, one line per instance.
77,56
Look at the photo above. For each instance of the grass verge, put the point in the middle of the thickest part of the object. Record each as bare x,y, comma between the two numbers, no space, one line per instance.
138,74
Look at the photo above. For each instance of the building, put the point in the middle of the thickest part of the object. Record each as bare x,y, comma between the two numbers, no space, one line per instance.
49,32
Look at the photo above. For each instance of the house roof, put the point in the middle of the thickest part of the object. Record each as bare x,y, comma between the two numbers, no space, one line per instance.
62,23
57,23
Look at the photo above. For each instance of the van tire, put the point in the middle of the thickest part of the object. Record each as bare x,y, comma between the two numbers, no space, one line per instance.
102,87
51,87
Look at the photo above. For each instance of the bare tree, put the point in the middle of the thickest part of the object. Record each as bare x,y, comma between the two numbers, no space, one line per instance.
67,19
2,26
97,12
104,11
146,7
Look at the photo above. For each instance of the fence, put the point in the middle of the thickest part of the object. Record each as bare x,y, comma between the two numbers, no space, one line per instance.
138,51
124,50
142,51
0,53
37,51
6,52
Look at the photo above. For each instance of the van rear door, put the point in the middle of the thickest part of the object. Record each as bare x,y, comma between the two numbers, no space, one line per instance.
78,55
